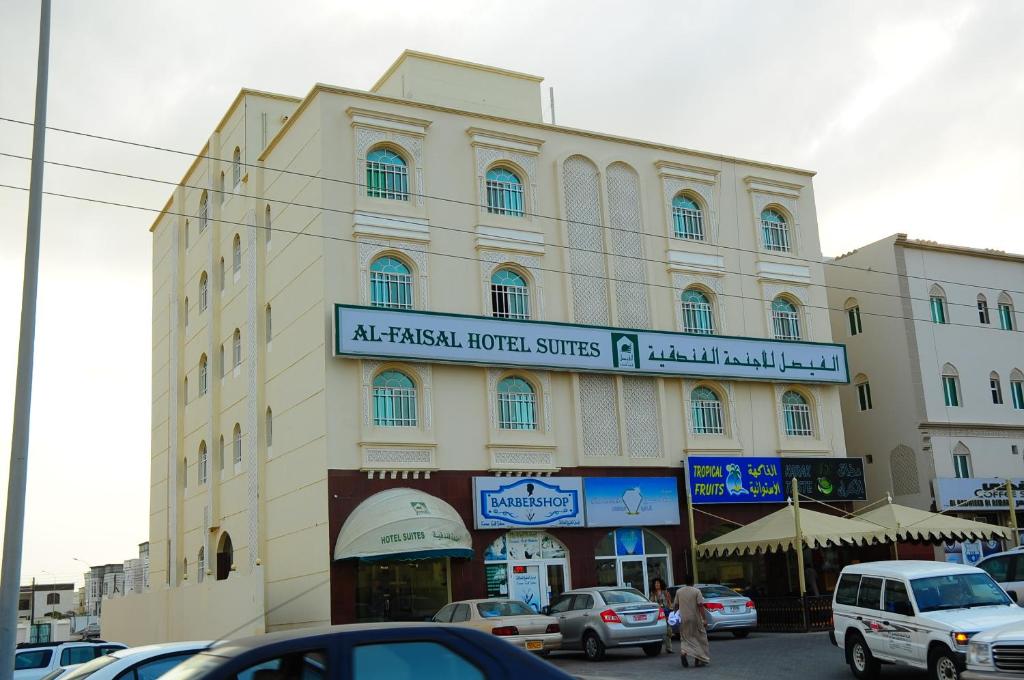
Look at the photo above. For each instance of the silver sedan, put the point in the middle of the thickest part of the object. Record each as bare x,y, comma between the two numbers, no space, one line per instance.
725,610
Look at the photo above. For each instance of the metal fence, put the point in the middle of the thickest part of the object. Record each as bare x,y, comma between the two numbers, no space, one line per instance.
794,614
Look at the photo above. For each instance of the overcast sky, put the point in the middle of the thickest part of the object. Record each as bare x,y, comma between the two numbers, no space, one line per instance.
912,114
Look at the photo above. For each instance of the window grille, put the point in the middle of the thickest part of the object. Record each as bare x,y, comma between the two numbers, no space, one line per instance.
698,316
504,193
394,400
797,414
510,296
517,405
774,231
687,219
390,284
706,412
387,175
785,320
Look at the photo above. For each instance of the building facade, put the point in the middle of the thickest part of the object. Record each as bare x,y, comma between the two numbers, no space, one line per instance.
440,199
936,406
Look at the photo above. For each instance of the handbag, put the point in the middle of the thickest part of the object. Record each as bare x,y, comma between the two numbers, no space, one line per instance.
674,619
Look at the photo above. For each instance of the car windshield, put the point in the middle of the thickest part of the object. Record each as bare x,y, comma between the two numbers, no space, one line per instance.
717,591
957,591
88,668
624,596
489,610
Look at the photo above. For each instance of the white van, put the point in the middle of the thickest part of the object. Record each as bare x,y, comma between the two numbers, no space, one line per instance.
921,614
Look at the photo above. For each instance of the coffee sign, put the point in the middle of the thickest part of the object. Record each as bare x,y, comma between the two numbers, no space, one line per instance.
502,502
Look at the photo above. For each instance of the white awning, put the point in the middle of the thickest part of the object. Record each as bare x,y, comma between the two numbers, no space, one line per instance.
403,524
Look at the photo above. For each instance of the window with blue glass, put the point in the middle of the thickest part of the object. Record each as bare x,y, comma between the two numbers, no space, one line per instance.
394,400
706,412
1017,389
510,295
774,231
390,283
937,305
387,175
687,218
785,319
1005,312
504,192
698,315
517,404
796,413
950,386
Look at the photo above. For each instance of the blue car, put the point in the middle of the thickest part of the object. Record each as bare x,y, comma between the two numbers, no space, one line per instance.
397,651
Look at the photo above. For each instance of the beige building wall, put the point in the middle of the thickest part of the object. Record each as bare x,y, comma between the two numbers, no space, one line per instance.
584,191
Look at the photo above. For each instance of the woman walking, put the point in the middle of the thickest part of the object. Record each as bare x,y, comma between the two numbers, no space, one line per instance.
660,597
693,634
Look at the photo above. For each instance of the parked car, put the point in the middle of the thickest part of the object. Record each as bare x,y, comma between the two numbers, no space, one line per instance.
726,610
1007,569
511,620
594,619
33,660
408,651
915,613
137,663
996,654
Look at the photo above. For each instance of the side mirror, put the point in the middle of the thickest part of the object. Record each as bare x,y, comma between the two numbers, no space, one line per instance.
1013,595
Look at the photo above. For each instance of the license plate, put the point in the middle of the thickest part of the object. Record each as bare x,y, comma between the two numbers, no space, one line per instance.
534,645
734,609
639,617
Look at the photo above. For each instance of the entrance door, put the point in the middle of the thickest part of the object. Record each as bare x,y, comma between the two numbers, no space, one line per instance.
633,575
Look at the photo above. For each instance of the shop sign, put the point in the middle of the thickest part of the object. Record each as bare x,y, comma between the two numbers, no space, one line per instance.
735,479
826,479
631,501
501,502
427,336
973,493
970,552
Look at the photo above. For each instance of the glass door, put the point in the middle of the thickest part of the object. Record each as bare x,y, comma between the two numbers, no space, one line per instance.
524,585
555,582
633,574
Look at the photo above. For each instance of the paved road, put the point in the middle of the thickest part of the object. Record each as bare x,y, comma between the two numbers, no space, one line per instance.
762,656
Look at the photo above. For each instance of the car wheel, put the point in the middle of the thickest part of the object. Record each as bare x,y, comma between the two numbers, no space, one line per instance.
862,662
740,633
593,647
943,664
653,649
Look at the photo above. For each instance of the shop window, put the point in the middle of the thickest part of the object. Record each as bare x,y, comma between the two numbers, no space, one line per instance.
385,589
632,557
529,566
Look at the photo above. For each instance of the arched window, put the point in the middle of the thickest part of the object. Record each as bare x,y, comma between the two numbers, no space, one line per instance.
236,167
236,348
184,473
797,414
995,387
632,557
853,316
236,444
961,461
268,233
387,175
698,316
268,325
394,400
203,376
517,404
504,192
785,319
270,427
1017,388
937,304
863,392
951,386
510,295
225,556
774,231
983,316
203,462
204,212
204,292
390,283
706,411
201,565
236,254
1005,312
687,218
220,452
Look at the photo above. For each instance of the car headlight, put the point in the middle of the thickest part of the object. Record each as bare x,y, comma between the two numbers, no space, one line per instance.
960,639
979,654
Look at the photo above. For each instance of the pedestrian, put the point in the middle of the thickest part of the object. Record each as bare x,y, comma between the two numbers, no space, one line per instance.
693,634
660,597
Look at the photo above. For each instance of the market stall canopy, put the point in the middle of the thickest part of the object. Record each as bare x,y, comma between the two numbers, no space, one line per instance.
913,524
777,531
403,524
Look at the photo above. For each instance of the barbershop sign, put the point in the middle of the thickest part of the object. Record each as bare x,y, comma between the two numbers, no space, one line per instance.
526,502
426,336
977,493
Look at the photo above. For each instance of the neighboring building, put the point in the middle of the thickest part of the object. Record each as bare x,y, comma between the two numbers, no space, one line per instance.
52,601
136,571
936,406
265,441
104,581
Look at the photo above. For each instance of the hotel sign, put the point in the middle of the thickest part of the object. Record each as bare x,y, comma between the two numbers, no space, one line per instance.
525,502
426,336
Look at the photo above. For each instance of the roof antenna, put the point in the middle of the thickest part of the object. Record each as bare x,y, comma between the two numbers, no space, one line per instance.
551,95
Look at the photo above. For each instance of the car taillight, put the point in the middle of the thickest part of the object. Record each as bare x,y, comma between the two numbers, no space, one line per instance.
714,606
750,603
661,612
609,616
505,630
552,628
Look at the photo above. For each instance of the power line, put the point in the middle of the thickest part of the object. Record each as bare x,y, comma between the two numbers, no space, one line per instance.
470,232
462,257
155,147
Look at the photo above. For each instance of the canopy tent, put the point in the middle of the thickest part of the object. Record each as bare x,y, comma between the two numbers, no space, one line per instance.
779,531
403,524
913,524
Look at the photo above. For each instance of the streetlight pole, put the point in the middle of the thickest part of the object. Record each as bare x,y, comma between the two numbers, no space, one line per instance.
14,527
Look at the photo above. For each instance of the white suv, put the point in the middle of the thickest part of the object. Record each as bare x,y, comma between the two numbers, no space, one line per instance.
996,654
34,660
921,614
